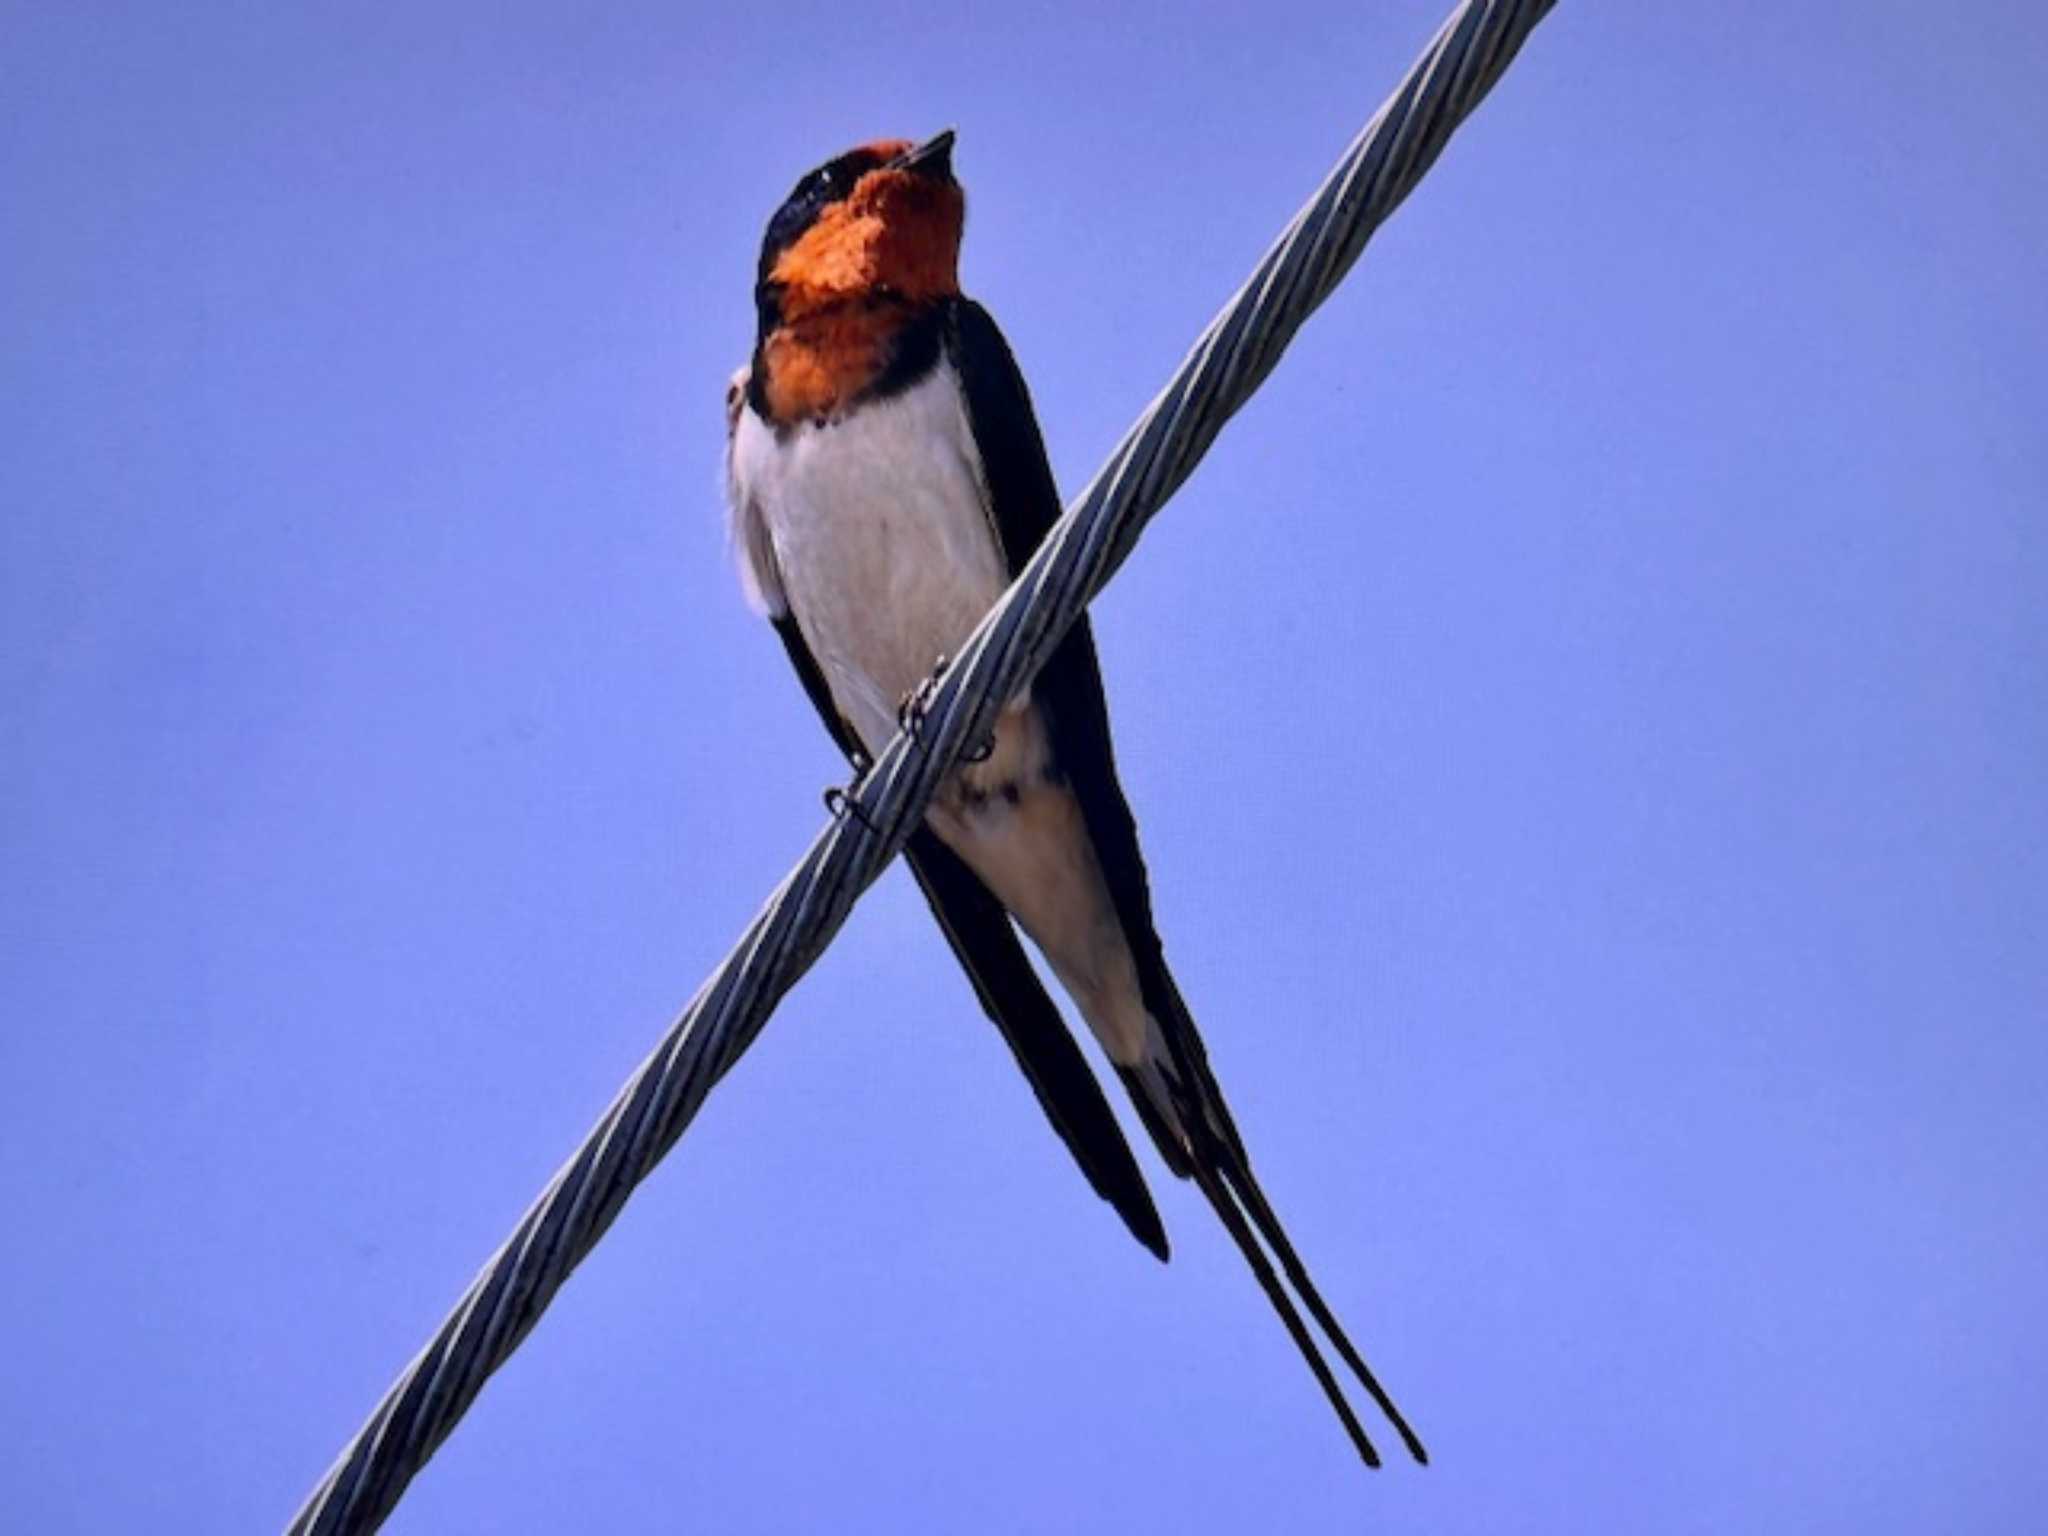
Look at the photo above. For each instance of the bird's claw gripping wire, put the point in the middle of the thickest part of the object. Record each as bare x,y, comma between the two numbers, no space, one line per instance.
910,709
910,713
841,799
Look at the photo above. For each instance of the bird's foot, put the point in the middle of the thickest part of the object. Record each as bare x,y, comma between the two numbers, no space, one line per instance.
842,799
910,713
910,709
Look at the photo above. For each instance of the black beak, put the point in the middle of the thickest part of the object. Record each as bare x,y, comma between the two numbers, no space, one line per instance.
933,158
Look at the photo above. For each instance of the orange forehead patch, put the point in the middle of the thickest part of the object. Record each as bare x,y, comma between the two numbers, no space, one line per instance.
896,232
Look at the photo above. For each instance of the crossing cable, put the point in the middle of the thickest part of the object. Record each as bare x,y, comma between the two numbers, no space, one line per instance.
1080,554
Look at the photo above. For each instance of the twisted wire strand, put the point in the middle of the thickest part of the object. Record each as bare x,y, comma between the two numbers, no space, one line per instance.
1084,549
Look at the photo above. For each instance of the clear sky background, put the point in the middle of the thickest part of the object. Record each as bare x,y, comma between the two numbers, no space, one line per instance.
1588,718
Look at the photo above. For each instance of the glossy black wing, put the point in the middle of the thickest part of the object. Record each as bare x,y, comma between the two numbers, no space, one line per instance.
986,945
1026,503
1191,1125
1011,994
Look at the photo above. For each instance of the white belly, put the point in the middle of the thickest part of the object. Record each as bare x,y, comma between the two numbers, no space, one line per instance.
882,540
884,551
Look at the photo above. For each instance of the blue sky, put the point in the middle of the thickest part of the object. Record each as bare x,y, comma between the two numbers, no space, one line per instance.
1586,718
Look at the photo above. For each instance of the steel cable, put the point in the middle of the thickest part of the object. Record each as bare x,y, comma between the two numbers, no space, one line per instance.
1084,549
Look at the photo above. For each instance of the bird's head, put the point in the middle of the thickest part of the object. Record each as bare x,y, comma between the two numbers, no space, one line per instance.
880,221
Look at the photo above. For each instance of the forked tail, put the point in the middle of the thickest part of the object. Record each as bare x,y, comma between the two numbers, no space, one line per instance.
1182,1106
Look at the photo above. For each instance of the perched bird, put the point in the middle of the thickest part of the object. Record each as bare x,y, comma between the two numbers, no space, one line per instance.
887,480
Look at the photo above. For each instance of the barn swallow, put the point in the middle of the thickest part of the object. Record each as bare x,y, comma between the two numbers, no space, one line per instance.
887,481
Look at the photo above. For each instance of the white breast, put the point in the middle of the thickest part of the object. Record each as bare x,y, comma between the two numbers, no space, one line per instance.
881,539
875,533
